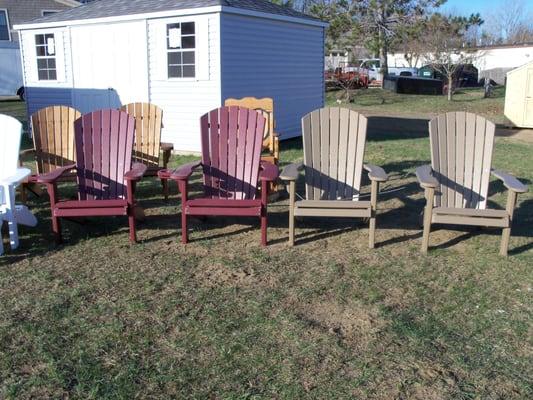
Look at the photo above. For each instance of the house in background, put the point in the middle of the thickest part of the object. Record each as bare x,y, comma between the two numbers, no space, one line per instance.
15,12
187,57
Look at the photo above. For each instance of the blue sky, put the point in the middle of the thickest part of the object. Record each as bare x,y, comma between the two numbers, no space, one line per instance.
484,7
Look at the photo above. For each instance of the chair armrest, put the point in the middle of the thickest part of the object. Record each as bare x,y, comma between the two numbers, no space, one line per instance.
375,173
136,172
166,146
183,172
268,171
17,177
291,171
53,176
26,152
509,181
425,178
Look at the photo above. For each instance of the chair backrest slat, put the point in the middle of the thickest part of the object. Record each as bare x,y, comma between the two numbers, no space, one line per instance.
265,106
231,151
53,137
334,143
148,125
104,144
10,133
461,157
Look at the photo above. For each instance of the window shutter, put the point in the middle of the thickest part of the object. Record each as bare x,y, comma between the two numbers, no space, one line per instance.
202,48
60,56
158,65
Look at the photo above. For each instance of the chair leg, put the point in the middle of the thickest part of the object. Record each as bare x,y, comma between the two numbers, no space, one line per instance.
56,229
373,208
428,211
23,193
131,222
182,185
164,183
11,219
292,190
264,221
506,233
1,239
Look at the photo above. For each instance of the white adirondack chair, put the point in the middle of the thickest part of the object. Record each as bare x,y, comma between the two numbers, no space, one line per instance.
10,177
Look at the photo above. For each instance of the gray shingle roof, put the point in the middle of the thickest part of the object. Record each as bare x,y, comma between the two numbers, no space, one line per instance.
115,8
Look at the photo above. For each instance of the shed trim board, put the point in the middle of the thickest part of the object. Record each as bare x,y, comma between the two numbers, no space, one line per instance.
183,100
171,13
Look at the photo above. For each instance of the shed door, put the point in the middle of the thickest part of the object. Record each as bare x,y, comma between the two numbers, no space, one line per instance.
528,111
110,65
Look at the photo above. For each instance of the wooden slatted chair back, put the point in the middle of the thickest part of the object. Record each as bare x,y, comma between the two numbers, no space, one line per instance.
265,106
104,144
53,137
10,132
461,158
148,124
334,145
231,152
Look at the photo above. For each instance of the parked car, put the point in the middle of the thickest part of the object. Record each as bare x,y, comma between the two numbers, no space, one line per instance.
373,65
466,75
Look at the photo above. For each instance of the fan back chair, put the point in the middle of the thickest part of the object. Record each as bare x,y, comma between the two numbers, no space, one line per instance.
457,181
106,175
334,144
232,168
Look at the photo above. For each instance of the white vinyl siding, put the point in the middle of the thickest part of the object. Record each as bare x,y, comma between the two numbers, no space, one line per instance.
268,58
185,100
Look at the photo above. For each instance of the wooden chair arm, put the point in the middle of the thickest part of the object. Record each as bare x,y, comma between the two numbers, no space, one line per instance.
291,171
375,173
25,153
183,172
425,177
136,172
52,177
268,172
509,181
166,146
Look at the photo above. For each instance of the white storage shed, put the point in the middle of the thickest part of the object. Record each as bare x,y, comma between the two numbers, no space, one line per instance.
519,96
185,56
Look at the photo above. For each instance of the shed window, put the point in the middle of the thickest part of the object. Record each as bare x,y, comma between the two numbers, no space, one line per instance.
46,57
4,26
181,44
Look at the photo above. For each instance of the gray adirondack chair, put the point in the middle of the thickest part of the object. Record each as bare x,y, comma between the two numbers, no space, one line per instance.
334,144
457,181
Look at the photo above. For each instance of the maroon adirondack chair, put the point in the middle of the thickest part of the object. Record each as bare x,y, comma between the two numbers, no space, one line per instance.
105,174
232,139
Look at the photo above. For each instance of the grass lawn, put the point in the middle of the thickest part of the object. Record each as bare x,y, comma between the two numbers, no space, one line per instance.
223,318
466,99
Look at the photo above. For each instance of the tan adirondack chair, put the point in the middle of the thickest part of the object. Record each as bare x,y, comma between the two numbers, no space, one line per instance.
457,181
147,147
266,107
334,145
53,142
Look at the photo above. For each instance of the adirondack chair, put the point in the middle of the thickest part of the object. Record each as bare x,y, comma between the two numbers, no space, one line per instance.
10,177
105,173
53,142
231,166
456,183
334,144
148,146
266,107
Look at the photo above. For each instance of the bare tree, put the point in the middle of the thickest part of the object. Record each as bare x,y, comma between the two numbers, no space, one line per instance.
511,22
445,43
